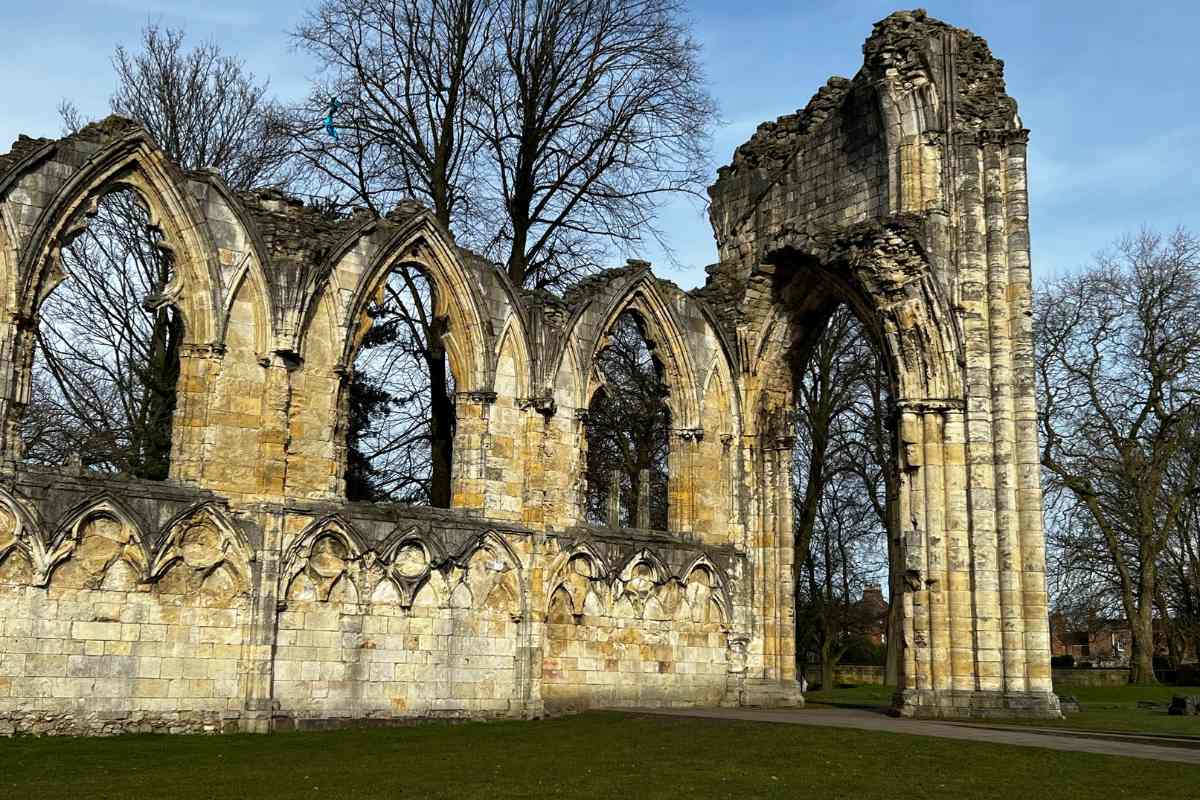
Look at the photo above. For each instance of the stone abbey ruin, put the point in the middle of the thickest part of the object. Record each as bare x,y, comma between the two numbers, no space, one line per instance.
246,593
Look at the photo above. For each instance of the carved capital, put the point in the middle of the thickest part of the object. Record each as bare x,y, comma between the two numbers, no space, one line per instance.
544,405
215,352
483,398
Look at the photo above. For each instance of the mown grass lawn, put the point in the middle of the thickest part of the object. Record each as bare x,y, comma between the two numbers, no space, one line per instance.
852,697
597,755
1110,708
1115,708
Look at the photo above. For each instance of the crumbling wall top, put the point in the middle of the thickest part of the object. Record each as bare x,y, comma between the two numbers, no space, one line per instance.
907,44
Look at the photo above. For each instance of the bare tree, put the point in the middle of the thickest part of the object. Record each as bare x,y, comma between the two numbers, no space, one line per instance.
401,72
1178,600
541,133
1118,360
844,489
593,111
628,428
203,108
395,451
105,367
845,553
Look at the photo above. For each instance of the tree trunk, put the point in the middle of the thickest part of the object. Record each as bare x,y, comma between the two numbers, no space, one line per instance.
441,418
153,461
895,631
1141,624
895,615
827,663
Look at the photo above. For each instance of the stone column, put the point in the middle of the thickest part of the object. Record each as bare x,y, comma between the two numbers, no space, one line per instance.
958,551
256,664
191,445
769,654
470,475
273,435
535,448
683,489
935,536
643,500
974,311
614,499
1003,421
1026,453
16,359
531,634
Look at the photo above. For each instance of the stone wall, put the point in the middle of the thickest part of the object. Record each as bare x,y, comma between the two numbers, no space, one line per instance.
900,191
171,611
853,674
1089,678
91,645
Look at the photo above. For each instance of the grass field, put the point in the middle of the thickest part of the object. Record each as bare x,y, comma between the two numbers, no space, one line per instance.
1102,709
597,755
1115,709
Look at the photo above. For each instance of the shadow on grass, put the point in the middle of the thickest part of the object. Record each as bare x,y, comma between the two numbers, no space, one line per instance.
878,698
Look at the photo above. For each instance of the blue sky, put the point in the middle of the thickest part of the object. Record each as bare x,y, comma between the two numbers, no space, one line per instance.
1107,88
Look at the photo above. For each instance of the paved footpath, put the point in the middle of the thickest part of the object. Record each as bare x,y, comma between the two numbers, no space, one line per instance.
1186,753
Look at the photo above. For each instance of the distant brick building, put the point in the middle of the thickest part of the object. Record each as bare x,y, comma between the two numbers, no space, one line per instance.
1104,641
873,602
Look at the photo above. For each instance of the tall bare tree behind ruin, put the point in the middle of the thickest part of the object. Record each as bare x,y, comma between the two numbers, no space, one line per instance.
106,364
104,375
844,490
543,133
628,430
201,106
391,411
1118,361
1178,598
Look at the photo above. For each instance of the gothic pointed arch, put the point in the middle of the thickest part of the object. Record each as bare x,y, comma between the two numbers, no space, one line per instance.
570,385
582,574
658,570
327,562
405,534
130,159
96,537
24,555
422,243
248,270
663,332
702,572
719,396
883,274
490,576
202,553
411,560
513,364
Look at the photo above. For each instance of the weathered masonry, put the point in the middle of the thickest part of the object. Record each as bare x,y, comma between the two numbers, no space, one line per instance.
246,593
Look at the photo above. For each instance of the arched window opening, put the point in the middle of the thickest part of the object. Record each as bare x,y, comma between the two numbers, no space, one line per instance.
844,492
106,357
628,434
400,434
